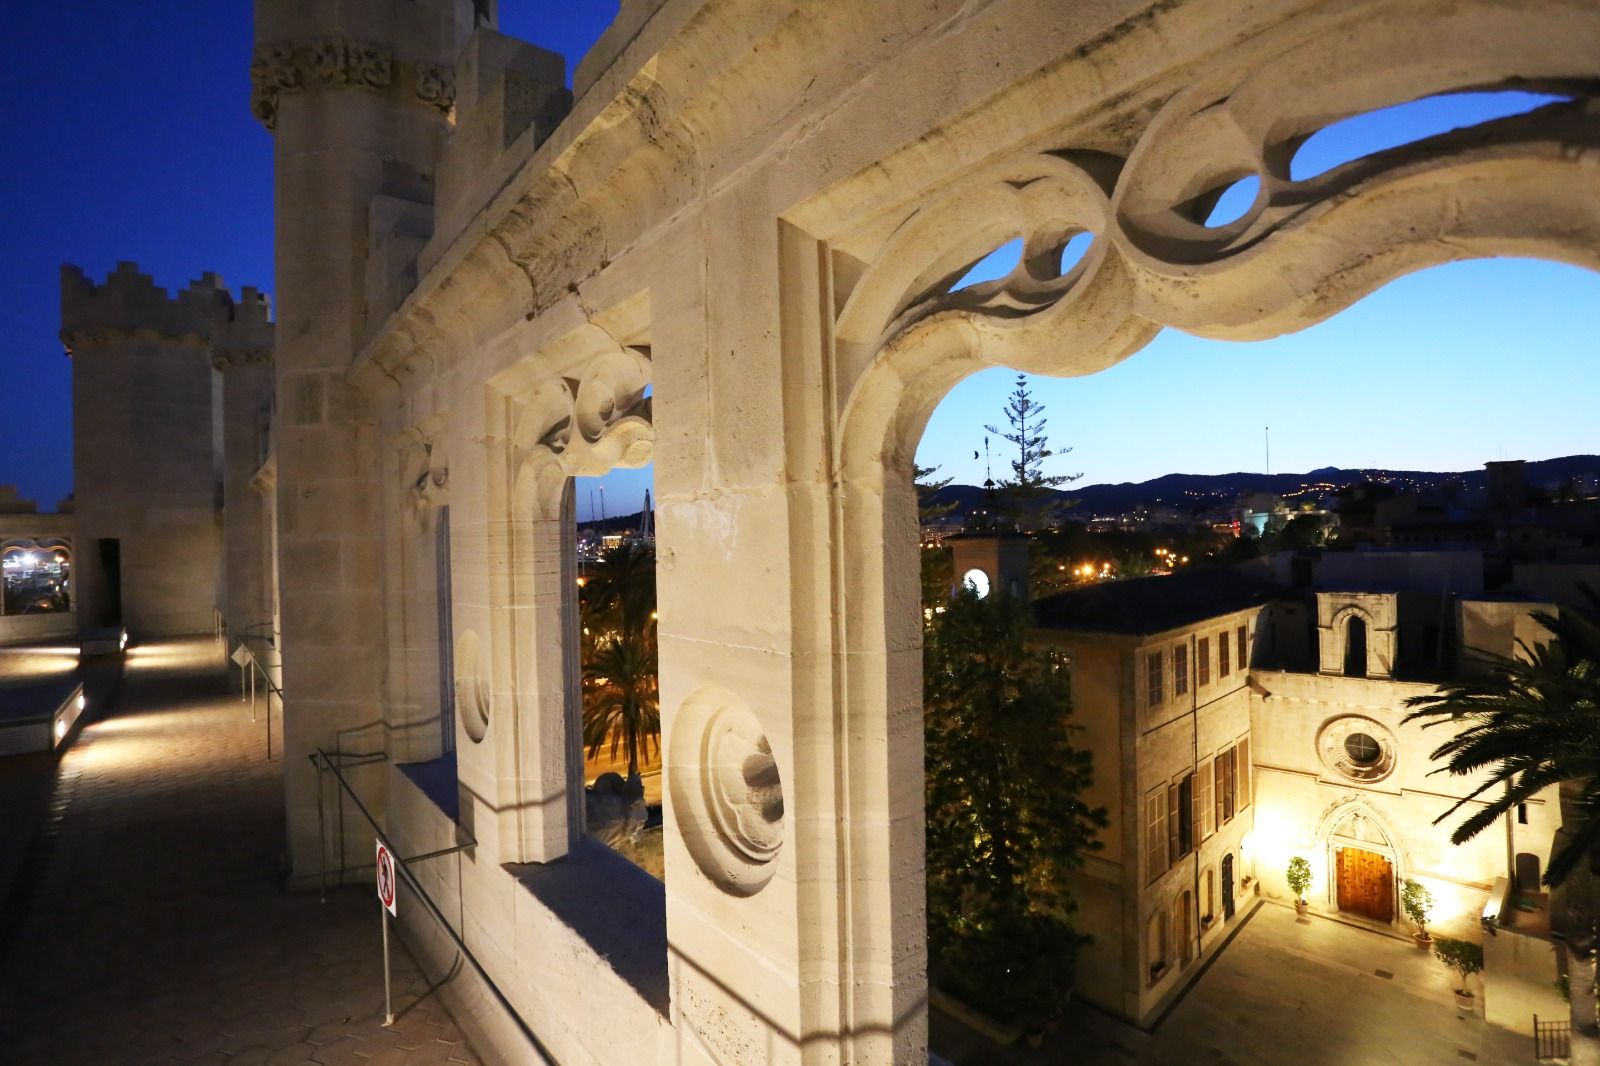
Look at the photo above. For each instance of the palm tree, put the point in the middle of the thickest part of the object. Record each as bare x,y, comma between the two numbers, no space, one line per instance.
1530,722
620,592
621,701
620,697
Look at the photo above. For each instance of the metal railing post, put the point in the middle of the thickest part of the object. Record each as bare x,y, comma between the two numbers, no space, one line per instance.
322,832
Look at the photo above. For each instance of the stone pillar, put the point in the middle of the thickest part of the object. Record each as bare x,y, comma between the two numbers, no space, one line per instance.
351,91
242,353
789,672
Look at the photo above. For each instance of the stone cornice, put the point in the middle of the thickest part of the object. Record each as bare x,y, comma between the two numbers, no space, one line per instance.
78,340
337,62
224,357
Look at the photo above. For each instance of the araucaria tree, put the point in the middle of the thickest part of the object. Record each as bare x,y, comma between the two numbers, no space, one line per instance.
1027,491
621,703
1531,722
1006,820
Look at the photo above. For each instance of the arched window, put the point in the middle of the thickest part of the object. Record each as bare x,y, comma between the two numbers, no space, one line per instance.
1156,945
1355,647
1182,923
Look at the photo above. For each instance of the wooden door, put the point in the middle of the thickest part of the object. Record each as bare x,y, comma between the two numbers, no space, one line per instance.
1366,884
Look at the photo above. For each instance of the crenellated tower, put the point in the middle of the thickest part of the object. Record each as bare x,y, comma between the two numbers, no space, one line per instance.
152,434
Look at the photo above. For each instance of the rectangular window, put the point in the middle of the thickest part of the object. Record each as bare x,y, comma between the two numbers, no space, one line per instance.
1226,780
1220,774
1231,796
1204,817
1202,662
1155,843
1244,649
1153,679
1183,810
1244,773
1222,654
1180,670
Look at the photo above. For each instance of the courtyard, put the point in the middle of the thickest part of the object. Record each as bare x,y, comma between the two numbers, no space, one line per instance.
1312,992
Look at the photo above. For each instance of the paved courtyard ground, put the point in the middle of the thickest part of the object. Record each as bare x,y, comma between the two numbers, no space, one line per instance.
149,923
1283,993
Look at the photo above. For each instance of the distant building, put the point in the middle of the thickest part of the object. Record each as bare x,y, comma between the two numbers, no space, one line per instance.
1237,721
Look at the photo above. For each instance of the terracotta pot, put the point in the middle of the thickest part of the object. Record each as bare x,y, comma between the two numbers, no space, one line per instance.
1300,907
1423,940
1464,1004
1035,1037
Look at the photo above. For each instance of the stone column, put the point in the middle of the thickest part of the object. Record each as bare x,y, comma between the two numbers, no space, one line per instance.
242,353
339,85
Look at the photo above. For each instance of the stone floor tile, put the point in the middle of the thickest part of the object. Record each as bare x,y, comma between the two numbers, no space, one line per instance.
157,871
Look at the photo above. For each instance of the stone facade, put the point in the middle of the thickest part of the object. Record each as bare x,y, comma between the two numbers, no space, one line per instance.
1171,740
1321,766
754,213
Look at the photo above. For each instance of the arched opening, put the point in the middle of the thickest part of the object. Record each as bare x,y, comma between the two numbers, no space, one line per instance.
618,663
1355,646
919,340
1182,924
1527,870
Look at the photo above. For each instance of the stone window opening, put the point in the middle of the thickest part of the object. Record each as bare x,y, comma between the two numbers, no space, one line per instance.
1202,662
618,734
1222,655
1180,670
1154,696
1156,946
1355,647
1156,841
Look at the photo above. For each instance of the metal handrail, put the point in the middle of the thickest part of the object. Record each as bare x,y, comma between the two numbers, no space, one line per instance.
273,689
322,761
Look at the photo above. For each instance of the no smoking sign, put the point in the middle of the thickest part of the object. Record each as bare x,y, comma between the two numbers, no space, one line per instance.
385,877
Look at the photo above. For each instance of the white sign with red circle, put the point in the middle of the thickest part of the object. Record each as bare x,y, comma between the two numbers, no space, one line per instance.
385,877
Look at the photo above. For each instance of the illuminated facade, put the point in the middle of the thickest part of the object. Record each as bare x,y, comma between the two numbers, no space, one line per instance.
1237,724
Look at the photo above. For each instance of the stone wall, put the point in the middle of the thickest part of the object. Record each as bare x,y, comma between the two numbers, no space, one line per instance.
756,211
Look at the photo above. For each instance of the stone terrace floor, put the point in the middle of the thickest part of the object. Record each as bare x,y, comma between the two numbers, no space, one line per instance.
1283,992
150,924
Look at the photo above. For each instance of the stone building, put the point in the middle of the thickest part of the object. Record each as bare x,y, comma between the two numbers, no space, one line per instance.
1222,750
1160,683
162,387
729,250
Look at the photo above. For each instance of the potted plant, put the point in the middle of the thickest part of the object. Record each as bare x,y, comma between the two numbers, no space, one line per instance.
1417,901
1466,959
1299,877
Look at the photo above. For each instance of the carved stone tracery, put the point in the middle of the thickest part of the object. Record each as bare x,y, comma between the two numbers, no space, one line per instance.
294,66
1304,250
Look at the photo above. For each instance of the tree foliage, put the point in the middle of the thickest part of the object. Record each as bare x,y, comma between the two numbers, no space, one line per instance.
1026,492
1006,821
621,704
1530,722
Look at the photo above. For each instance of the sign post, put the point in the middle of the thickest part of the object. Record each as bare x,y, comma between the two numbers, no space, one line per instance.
386,886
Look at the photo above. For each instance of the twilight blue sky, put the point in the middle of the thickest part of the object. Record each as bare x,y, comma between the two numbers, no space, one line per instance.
129,137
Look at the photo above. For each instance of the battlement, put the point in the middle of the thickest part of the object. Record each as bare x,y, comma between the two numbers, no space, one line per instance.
130,305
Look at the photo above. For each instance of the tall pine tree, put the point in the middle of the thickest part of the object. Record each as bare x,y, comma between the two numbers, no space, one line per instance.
1026,493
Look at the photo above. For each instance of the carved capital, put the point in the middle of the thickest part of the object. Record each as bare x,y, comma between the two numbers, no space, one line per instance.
436,86
294,66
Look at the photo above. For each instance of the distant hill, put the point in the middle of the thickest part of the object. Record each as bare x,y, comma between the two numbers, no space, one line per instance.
1202,491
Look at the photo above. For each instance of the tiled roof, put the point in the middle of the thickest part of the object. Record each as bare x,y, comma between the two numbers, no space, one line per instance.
1156,604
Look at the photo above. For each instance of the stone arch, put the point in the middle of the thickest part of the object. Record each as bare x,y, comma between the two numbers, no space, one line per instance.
1354,823
579,407
1352,629
1306,250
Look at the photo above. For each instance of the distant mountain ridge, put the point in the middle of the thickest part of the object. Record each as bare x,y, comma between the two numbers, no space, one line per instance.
1201,491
